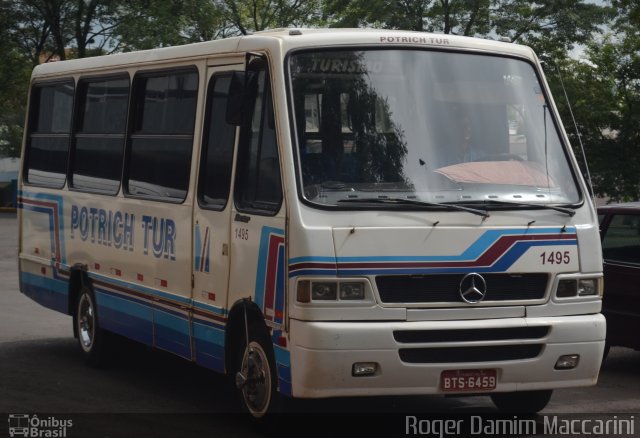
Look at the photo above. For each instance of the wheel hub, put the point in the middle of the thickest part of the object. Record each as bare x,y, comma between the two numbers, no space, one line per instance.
254,379
85,322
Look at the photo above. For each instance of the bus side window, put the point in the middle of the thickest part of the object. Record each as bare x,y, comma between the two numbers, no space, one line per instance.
217,147
96,155
49,133
161,137
258,183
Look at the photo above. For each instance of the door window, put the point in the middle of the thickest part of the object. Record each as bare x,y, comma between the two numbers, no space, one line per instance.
258,185
217,147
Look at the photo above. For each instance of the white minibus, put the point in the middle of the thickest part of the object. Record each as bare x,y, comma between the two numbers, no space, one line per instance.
318,213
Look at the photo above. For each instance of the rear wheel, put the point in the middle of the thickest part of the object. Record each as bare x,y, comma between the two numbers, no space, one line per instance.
91,338
525,402
255,374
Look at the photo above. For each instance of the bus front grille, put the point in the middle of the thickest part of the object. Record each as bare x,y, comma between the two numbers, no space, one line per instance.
445,288
493,353
470,335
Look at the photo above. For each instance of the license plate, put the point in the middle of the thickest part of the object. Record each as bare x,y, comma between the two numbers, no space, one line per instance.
468,380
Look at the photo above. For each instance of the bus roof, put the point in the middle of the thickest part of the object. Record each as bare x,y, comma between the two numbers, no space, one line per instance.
287,39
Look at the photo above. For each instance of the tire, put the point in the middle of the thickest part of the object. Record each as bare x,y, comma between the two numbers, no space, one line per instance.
91,338
255,375
524,402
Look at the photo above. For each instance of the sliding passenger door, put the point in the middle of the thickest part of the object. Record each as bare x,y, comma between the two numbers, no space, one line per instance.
211,227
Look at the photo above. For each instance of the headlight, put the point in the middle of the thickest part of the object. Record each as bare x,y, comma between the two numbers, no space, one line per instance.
324,291
310,290
352,291
579,287
567,288
588,286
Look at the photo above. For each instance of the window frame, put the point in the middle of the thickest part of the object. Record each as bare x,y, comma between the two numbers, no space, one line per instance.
77,116
244,145
204,146
32,116
131,135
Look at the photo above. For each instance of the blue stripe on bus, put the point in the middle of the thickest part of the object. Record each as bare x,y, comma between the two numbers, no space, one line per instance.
218,310
502,264
172,332
209,346
474,251
137,319
125,317
49,292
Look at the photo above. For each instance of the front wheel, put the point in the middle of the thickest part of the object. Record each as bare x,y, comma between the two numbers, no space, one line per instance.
525,402
255,376
91,337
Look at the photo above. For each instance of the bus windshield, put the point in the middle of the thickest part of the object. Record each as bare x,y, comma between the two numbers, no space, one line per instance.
426,127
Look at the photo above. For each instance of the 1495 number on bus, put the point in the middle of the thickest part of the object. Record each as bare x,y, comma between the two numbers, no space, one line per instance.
555,258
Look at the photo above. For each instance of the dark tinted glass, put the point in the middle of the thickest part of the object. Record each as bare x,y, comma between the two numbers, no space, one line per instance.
49,131
54,105
160,167
259,186
217,148
162,141
97,155
169,104
104,106
98,164
622,239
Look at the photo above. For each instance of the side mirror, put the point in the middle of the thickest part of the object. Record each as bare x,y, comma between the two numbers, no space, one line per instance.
242,93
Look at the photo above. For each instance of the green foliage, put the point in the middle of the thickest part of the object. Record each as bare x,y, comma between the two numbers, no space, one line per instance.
463,17
257,15
551,27
146,24
605,94
14,77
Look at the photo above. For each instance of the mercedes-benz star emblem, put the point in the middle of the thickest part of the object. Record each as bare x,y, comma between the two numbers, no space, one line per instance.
473,288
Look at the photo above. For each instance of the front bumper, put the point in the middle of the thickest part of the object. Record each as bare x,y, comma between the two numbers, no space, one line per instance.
323,353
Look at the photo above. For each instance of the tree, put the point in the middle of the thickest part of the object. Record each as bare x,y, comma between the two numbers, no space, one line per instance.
14,77
94,22
550,26
256,15
32,31
156,23
146,24
604,91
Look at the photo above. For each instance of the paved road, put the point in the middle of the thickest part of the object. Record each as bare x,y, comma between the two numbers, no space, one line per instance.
144,392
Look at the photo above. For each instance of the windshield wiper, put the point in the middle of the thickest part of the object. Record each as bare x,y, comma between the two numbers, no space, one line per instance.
404,201
565,210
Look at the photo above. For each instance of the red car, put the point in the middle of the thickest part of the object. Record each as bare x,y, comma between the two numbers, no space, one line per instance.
620,233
